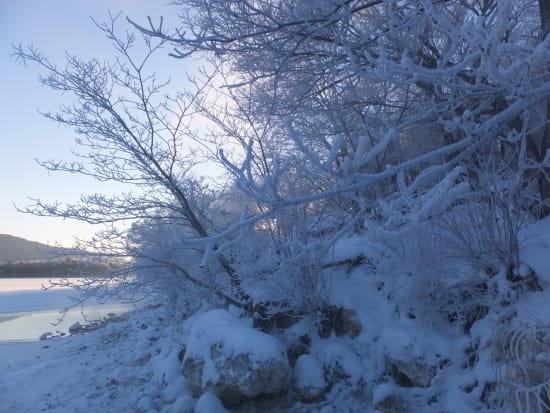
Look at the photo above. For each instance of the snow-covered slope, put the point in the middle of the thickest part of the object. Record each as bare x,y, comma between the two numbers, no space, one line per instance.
412,353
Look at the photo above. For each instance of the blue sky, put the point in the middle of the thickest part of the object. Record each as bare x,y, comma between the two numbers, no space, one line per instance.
54,26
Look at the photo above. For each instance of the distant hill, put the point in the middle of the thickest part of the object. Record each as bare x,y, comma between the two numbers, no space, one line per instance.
23,258
19,249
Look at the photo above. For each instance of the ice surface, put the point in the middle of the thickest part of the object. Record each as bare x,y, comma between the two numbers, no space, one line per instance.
27,311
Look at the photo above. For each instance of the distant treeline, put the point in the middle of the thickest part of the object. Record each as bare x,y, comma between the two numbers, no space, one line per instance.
53,268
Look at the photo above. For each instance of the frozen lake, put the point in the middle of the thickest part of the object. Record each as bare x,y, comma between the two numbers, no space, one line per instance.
27,311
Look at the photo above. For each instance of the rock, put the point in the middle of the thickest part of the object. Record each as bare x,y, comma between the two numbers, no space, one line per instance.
78,328
233,361
267,320
392,404
347,324
413,373
75,328
339,361
308,382
297,348
342,321
45,336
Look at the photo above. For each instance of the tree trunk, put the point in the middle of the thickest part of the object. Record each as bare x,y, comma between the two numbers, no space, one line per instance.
543,179
544,10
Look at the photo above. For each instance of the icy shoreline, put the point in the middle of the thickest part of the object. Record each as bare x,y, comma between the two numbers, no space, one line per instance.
27,311
97,371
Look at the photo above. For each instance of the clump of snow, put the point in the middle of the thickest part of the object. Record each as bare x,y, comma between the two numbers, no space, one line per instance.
349,248
309,381
183,404
383,390
209,403
219,326
338,359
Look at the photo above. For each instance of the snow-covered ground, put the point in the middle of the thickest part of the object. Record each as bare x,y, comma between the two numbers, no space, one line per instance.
101,371
134,364
36,375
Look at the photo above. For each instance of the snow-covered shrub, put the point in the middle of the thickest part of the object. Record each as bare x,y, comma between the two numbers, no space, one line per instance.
479,235
162,263
415,249
287,282
415,265
483,232
482,228
449,263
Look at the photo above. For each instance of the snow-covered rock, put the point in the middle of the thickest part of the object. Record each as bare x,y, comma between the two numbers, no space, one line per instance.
232,360
308,382
339,361
45,336
392,404
341,321
414,373
267,321
298,346
75,328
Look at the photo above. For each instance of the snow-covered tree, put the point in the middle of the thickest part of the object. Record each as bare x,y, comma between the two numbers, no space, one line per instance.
376,101
326,115
132,129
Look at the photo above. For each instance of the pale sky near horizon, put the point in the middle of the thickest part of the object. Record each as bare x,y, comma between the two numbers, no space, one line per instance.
53,26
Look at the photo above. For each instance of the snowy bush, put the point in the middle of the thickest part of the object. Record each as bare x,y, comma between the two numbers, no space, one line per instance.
483,231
